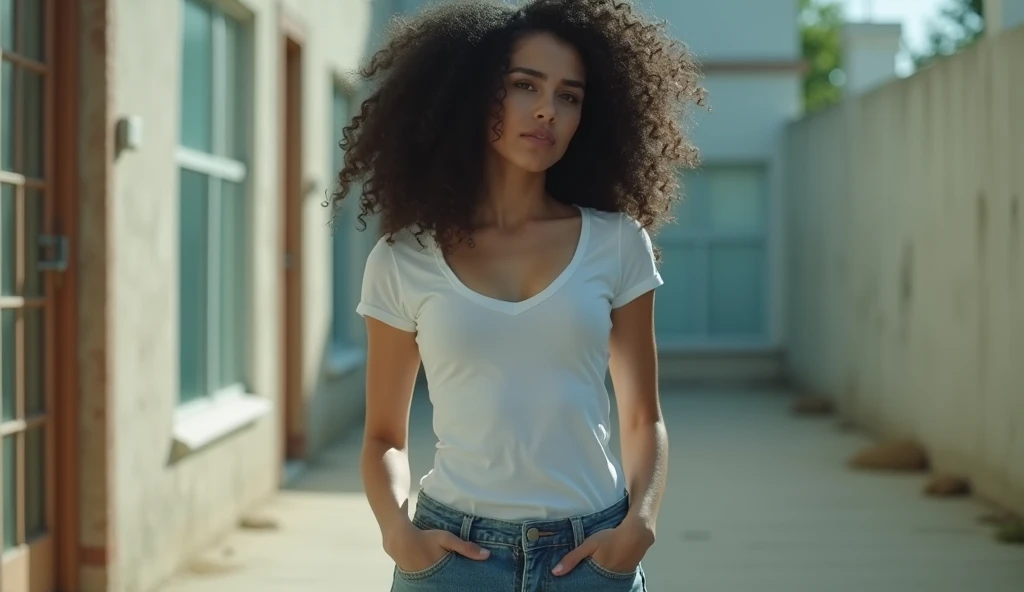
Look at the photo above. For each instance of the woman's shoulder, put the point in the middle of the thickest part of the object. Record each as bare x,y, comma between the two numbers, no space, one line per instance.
611,220
405,246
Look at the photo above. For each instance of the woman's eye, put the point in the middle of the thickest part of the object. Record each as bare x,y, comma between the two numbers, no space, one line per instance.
570,98
524,85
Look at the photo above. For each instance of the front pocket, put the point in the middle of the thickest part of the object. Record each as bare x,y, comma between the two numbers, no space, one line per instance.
426,573
607,573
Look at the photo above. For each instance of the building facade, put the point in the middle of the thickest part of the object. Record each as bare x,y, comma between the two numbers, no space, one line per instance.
721,311
170,344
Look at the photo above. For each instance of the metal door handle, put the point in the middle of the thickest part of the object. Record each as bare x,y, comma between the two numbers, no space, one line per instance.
60,244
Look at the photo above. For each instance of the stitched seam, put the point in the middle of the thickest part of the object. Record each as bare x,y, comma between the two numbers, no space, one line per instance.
426,573
608,573
398,278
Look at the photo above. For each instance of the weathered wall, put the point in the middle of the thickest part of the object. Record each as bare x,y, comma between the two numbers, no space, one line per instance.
167,510
906,258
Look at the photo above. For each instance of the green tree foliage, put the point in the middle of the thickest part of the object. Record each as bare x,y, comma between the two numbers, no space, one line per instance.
821,22
960,24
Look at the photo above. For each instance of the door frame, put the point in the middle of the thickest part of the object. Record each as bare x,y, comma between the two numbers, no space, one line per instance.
59,138
65,151
292,43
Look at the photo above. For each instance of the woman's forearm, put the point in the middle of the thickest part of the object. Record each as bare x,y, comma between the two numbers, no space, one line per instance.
645,463
386,480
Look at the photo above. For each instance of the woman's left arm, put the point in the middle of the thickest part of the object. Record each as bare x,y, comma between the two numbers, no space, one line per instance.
642,434
643,440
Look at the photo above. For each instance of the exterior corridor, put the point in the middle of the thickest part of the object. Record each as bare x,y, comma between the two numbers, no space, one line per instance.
758,500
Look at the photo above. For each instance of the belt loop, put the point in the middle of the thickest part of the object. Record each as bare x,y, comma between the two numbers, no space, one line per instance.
577,530
467,525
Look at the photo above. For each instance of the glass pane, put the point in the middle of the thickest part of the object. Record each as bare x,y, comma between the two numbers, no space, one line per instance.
35,483
736,199
197,77
7,367
32,29
8,241
681,303
232,285
737,290
342,111
33,285
35,393
32,114
7,114
234,123
691,213
7,25
10,493
194,219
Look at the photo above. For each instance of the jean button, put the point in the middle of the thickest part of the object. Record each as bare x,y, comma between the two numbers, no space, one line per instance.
532,535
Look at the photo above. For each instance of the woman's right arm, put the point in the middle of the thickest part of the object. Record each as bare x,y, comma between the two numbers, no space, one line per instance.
392,362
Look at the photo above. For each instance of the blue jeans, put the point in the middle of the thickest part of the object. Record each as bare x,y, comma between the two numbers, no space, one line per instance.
522,554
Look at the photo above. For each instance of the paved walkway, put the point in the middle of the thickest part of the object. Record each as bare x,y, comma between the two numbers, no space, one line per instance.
758,501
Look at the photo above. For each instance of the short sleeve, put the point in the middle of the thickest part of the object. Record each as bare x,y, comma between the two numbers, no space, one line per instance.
381,296
638,271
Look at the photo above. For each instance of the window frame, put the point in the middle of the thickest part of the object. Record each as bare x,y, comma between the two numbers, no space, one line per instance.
703,240
219,168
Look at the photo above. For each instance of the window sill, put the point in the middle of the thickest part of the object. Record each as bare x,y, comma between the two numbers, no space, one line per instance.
343,360
201,423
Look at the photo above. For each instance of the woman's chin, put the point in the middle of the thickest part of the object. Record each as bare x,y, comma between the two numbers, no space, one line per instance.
533,163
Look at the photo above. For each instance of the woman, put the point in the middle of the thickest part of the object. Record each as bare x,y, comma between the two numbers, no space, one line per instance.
518,159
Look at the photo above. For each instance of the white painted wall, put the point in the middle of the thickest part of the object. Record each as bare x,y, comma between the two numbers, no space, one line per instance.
167,511
733,30
748,112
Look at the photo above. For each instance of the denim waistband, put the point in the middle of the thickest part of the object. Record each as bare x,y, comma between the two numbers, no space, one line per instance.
529,534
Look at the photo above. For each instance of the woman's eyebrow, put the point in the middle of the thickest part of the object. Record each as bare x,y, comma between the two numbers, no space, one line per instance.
543,76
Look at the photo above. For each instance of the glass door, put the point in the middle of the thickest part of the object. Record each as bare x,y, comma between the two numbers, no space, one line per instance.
29,254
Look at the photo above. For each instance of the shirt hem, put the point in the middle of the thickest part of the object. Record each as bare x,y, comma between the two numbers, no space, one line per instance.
368,310
638,290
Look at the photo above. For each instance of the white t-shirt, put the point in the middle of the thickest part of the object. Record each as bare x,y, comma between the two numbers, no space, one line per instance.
521,411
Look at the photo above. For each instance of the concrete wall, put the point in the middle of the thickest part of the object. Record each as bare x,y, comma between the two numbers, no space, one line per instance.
167,510
907,261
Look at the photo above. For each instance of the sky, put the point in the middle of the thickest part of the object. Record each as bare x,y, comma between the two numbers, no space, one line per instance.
914,15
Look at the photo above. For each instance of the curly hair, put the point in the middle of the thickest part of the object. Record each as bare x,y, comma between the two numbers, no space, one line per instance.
417,146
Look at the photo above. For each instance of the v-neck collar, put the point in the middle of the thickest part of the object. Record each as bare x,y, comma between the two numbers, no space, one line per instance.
515,308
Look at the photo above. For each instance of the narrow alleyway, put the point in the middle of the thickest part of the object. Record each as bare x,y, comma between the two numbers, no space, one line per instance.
758,501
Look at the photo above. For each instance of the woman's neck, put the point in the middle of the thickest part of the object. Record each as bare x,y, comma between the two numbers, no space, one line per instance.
513,196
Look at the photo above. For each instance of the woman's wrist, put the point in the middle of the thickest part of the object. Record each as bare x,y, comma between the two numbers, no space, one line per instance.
394,533
640,529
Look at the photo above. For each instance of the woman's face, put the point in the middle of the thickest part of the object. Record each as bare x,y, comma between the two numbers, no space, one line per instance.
542,104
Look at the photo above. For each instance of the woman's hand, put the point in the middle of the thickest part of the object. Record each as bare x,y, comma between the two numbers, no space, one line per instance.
618,549
416,550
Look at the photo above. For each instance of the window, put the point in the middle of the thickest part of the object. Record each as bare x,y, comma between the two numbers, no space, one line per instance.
211,158
715,262
343,280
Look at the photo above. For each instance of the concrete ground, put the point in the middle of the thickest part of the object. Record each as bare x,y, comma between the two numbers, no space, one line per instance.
758,501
